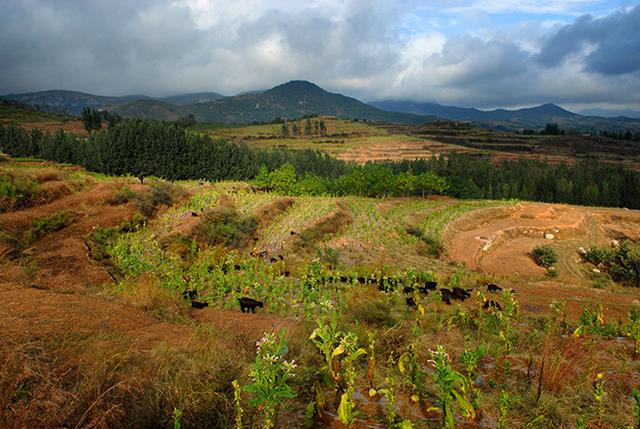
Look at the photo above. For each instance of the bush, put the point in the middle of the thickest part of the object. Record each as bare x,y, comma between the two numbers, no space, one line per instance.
226,226
17,191
597,255
41,227
545,255
622,262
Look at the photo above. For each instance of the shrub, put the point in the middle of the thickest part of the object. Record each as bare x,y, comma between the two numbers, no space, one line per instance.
597,255
622,263
545,255
226,226
17,191
41,227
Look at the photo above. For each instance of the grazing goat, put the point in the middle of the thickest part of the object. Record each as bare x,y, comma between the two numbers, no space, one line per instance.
430,285
460,294
237,267
493,288
411,302
249,304
491,303
194,214
407,289
199,305
446,295
281,257
190,294
141,179
273,260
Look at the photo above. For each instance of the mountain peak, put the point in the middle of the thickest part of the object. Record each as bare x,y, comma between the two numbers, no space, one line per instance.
297,87
552,109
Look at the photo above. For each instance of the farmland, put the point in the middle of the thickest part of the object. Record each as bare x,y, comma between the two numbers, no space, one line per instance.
96,331
363,142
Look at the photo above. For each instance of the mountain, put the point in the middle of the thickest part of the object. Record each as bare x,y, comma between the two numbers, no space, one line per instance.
531,117
149,109
294,99
612,113
62,101
193,98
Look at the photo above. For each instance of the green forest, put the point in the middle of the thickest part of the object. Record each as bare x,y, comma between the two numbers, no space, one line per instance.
152,148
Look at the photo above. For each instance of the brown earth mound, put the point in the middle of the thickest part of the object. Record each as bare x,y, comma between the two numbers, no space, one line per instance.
268,212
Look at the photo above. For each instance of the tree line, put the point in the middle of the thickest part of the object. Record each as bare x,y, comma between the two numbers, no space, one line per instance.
151,148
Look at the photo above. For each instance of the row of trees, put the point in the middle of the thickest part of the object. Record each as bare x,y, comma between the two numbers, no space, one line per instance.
168,150
311,128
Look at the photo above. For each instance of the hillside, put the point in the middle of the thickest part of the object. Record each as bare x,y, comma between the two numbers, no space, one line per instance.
112,318
62,101
72,102
294,99
533,117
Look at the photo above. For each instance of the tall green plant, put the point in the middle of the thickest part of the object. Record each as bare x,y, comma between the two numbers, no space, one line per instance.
270,375
451,388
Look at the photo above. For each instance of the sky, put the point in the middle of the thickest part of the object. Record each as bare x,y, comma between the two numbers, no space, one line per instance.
483,53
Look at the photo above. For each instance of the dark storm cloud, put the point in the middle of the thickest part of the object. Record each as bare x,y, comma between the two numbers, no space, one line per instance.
361,48
614,40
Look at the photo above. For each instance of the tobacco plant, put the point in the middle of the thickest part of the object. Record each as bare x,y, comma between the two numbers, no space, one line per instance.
451,388
270,375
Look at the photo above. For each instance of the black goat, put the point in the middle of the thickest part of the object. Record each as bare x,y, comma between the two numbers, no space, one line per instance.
249,304
430,285
493,288
199,305
411,302
446,295
407,289
190,294
491,303
460,294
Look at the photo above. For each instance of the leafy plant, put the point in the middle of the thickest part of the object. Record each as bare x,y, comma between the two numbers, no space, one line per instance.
349,348
505,405
410,367
636,407
470,358
633,329
237,401
451,387
177,415
544,255
599,394
326,337
270,375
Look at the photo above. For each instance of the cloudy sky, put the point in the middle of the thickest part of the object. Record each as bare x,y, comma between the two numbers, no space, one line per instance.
484,53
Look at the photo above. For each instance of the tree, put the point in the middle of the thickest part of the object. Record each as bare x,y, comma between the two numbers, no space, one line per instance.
285,130
323,128
283,179
110,118
308,128
295,129
91,119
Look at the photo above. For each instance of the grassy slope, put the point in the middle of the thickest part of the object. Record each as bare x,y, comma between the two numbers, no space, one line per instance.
128,352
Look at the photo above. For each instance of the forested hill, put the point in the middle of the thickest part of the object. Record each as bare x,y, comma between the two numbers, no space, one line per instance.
532,117
291,100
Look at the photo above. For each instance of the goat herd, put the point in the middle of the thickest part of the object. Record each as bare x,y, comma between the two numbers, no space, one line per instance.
386,284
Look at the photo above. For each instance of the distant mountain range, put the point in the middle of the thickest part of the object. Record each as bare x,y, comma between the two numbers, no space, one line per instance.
62,101
294,99
611,113
299,98
531,117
